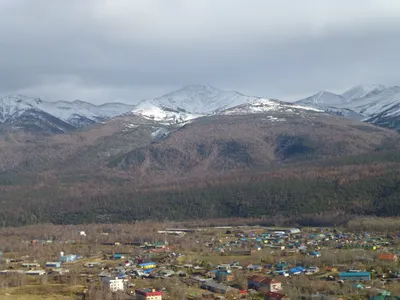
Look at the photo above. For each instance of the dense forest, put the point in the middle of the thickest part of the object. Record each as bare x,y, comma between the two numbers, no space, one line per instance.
303,168
366,184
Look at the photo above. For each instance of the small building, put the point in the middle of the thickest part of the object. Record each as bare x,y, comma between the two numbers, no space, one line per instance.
275,296
388,257
290,252
355,276
224,276
252,267
35,272
30,265
294,230
215,287
148,265
259,282
311,270
315,254
68,258
56,264
12,271
60,271
296,271
117,256
114,284
92,264
240,252
281,266
148,294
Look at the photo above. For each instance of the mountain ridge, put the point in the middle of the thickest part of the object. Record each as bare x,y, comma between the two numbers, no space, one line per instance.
263,156
375,103
77,114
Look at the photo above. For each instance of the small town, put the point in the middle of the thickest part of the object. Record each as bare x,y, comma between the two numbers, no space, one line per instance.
221,262
202,149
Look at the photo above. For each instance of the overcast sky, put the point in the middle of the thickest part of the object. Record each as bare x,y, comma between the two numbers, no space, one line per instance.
129,50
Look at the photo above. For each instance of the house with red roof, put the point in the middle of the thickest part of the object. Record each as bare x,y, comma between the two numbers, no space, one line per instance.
388,257
275,296
148,294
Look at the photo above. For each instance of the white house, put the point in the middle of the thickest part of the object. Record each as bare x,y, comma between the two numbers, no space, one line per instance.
35,272
294,230
114,284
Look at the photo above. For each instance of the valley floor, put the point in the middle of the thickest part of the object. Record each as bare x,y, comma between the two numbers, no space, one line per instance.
196,260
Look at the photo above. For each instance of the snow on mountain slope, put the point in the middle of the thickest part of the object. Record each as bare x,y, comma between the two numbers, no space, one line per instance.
80,113
162,114
361,91
13,106
323,99
342,112
360,102
267,105
375,102
389,118
201,99
77,113
194,101
33,120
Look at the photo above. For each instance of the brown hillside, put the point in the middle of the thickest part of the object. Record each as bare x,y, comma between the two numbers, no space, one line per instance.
222,144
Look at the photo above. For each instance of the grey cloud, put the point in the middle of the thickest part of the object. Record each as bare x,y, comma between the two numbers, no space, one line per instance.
103,50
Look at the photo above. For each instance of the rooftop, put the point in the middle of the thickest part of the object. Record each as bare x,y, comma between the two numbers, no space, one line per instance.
148,292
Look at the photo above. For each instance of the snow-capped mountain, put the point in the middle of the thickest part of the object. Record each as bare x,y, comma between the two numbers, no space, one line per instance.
194,101
373,103
388,103
267,105
361,91
201,99
323,98
15,108
161,114
79,113
22,113
11,107
376,103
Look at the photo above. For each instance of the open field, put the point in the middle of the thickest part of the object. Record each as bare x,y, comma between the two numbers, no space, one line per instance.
41,291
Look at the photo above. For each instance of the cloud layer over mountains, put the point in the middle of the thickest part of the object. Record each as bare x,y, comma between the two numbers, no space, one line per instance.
103,50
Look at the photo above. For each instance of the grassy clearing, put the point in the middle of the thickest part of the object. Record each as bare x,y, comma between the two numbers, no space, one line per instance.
227,259
36,297
44,291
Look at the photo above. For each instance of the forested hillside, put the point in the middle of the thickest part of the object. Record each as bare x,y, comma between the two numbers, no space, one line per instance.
131,168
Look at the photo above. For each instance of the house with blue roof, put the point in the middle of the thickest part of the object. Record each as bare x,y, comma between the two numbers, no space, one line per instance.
148,265
354,276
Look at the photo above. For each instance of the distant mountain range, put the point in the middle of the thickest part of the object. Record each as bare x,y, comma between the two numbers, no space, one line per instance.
188,103
199,152
376,104
34,114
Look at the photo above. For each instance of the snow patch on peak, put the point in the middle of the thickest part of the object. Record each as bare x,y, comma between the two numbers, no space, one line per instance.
196,101
361,91
267,105
323,98
201,99
77,113
159,134
148,110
